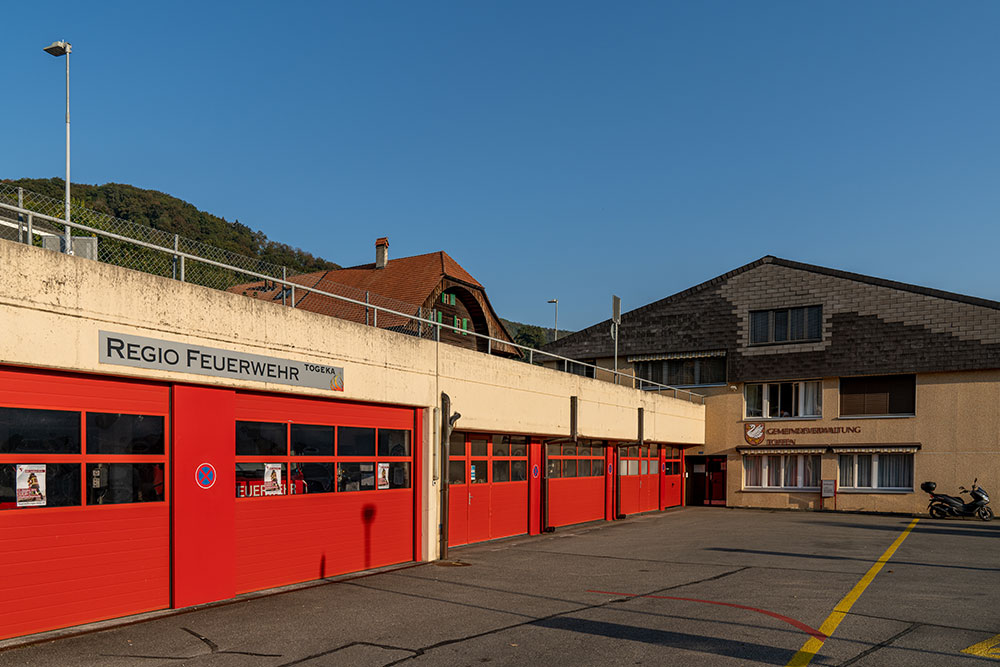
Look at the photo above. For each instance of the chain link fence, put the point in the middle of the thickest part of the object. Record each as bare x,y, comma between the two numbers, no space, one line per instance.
122,253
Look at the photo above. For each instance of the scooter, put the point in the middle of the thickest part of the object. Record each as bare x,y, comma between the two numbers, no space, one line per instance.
942,506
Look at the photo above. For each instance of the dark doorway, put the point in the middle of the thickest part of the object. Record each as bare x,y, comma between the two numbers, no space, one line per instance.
706,480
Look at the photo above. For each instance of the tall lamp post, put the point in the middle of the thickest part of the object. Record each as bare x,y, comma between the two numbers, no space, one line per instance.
64,49
555,329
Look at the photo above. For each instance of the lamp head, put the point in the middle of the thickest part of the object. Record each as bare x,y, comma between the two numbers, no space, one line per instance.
59,48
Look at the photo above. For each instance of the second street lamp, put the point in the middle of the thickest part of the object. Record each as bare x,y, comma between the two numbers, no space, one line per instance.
64,49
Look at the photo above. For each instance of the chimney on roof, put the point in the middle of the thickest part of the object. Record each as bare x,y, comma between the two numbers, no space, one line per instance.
381,252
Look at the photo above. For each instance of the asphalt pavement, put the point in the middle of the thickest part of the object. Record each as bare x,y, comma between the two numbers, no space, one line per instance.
691,587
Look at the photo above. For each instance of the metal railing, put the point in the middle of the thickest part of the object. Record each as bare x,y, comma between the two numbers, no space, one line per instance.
170,258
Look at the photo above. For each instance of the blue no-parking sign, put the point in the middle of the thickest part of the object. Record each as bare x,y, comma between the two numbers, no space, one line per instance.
205,476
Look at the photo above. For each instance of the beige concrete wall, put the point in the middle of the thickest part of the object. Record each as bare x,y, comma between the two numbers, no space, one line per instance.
52,307
956,424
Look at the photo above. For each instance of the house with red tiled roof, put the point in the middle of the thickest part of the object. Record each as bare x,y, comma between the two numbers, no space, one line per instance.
432,286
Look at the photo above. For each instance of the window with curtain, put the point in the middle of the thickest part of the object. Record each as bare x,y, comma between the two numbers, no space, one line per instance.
686,372
784,400
786,325
786,471
754,467
876,471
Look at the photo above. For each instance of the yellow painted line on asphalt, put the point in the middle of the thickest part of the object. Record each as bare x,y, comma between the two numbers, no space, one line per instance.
813,645
985,649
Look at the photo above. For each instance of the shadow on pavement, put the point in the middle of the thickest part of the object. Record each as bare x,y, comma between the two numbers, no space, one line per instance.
931,526
792,554
771,655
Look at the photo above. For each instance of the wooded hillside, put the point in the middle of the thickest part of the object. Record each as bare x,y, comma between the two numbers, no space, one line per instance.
175,216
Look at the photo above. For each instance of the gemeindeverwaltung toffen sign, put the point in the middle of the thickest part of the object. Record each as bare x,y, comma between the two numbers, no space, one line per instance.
165,355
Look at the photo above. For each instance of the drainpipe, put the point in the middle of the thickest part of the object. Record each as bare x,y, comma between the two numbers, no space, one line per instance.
448,421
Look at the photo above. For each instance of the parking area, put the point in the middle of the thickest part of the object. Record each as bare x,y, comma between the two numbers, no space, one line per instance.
698,586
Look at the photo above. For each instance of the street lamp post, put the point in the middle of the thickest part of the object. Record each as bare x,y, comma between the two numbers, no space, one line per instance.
64,49
555,329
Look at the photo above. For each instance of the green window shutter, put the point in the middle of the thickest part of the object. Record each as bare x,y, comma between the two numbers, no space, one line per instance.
440,317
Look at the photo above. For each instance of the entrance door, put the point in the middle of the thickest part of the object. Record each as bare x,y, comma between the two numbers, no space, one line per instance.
673,476
488,487
479,489
715,488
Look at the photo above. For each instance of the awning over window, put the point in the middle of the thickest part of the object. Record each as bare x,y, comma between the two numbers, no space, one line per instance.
676,355
750,451
887,448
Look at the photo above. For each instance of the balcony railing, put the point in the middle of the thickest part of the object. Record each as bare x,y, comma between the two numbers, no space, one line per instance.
165,255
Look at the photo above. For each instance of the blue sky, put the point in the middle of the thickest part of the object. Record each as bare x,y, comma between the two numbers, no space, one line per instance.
566,150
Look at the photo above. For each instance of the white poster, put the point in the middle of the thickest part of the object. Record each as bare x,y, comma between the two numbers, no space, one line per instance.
272,479
383,475
30,485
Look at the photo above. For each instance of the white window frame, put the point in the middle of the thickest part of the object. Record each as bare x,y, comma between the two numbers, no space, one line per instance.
799,404
765,463
874,472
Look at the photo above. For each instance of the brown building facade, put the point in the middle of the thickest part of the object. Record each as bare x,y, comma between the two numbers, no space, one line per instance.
813,375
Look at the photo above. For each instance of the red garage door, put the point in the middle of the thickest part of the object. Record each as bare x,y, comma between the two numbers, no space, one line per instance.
487,487
84,500
322,488
673,476
575,479
639,476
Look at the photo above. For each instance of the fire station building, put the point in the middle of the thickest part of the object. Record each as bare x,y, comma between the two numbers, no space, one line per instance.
165,445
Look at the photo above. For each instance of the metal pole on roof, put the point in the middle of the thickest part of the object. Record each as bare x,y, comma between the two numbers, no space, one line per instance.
20,218
616,319
284,285
177,241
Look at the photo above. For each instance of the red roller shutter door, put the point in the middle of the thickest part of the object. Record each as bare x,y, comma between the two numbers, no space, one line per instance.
332,514
638,468
90,560
576,479
488,487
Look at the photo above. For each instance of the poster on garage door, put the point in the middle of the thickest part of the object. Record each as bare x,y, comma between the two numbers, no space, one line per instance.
30,485
272,479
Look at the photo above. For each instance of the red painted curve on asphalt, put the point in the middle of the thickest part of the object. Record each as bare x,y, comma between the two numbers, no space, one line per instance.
781,617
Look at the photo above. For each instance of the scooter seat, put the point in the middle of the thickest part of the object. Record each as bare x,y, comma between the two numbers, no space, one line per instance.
954,499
